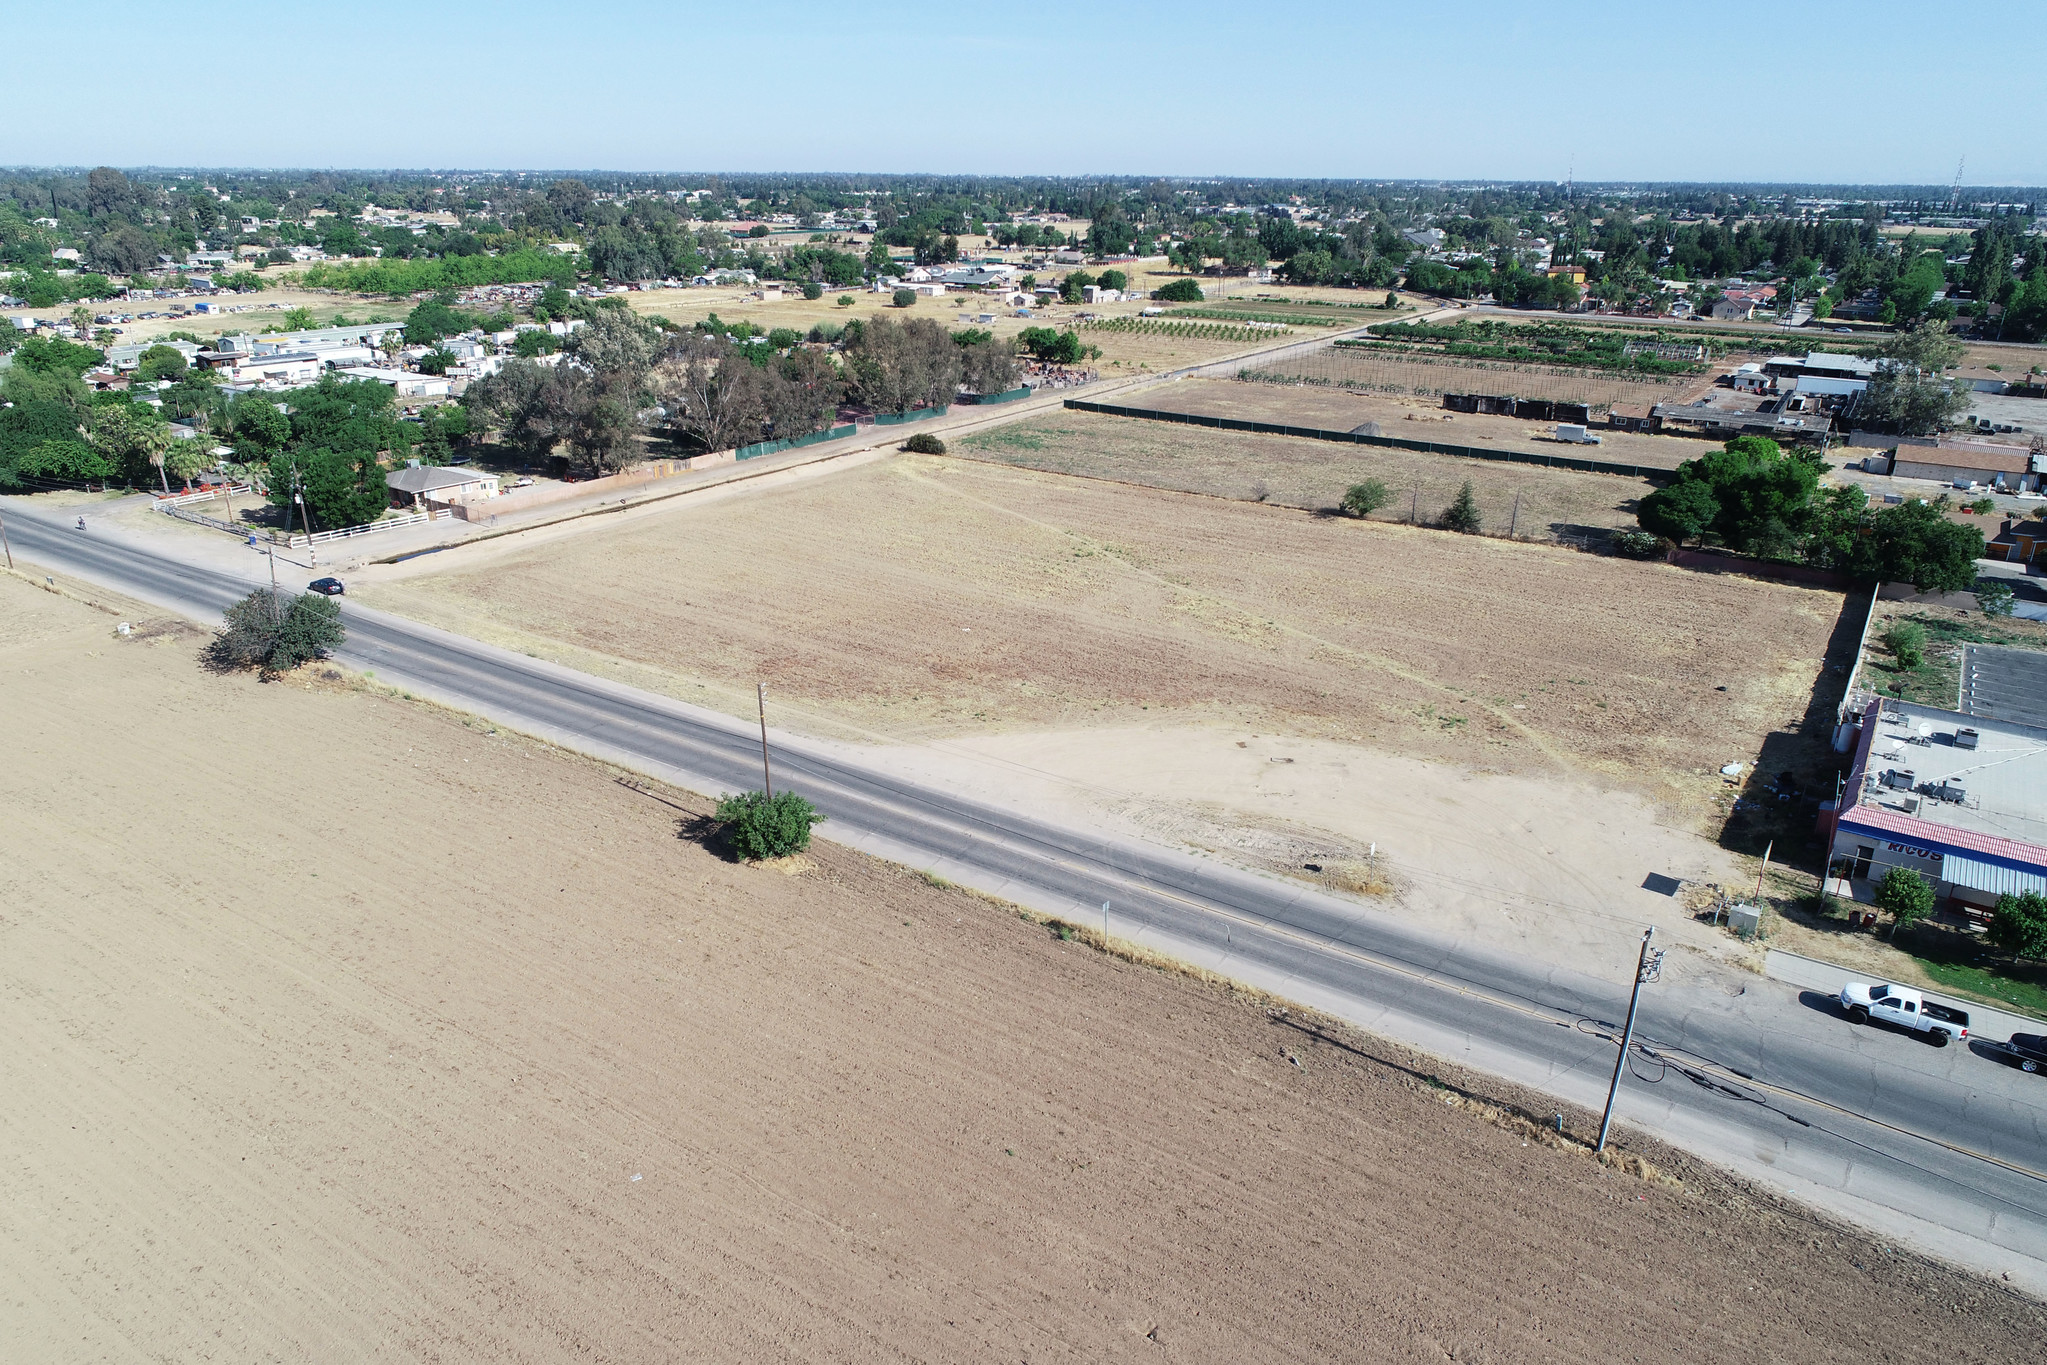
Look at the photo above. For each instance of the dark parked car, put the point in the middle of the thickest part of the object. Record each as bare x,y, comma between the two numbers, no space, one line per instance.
2026,1051
332,587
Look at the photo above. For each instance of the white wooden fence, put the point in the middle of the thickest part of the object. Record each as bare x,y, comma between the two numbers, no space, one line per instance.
367,528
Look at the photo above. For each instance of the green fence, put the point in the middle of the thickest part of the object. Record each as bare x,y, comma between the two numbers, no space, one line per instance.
986,398
1193,419
891,419
770,447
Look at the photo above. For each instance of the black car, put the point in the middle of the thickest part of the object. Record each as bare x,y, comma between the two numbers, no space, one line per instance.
332,587
2026,1051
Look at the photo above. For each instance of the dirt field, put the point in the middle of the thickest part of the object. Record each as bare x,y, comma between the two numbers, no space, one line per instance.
1121,352
1289,471
283,1085
1414,419
253,312
922,598
1419,375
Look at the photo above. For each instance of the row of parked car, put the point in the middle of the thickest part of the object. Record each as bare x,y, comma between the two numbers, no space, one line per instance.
1904,1008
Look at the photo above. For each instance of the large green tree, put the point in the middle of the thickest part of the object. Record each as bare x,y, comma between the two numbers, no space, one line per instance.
1750,495
1914,542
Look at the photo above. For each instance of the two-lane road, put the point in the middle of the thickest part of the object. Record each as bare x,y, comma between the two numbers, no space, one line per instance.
1943,1147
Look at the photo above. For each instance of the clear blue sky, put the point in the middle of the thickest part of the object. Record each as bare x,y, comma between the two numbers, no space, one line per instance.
1786,91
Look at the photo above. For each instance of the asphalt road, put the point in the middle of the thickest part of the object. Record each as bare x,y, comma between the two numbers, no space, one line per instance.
1945,1148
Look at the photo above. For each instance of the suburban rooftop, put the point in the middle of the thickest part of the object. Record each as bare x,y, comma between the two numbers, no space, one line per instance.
2003,778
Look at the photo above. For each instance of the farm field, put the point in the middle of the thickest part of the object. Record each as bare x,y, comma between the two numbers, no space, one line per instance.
277,1093
254,314
927,598
1122,352
1413,419
1290,471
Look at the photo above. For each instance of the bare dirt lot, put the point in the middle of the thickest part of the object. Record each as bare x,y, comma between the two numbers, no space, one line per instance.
1121,352
1292,471
1412,419
924,598
437,1044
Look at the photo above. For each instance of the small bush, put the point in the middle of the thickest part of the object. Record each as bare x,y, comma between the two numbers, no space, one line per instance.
1906,640
1462,515
1636,545
1906,895
2019,925
924,443
276,632
847,300
813,290
1982,506
761,826
903,298
1363,499
1996,599
1179,291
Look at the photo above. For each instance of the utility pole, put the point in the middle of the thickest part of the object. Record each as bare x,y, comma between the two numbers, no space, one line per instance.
1514,521
1646,969
767,779
9,548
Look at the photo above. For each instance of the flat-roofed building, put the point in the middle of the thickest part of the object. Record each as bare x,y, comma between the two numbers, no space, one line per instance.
1960,799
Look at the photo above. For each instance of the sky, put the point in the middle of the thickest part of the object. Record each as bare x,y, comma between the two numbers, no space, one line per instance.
1872,92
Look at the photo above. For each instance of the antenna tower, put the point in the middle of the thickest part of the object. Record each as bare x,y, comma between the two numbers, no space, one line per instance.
1955,193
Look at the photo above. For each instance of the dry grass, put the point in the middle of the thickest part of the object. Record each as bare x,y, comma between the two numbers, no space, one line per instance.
1300,472
922,598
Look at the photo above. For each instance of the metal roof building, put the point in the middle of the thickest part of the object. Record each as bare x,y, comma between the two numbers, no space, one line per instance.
1961,799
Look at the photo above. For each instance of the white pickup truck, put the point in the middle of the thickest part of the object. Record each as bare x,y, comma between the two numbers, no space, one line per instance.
1906,1008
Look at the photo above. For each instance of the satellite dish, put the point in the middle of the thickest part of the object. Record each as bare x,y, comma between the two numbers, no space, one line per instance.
1925,730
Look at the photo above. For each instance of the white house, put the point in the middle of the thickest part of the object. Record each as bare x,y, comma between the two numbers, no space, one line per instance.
416,484
278,369
404,382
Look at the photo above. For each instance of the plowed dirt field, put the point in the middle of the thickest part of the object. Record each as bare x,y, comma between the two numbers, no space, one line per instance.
339,1030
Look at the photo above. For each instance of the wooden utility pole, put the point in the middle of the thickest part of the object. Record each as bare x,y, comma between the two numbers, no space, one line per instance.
1642,971
767,778
9,548
1514,522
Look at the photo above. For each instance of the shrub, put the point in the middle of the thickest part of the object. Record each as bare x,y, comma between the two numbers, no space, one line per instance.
1363,499
1996,599
813,290
1636,544
1982,506
924,443
276,632
1906,896
2018,925
847,300
1392,301
1179,291
1462,515
762,826
903,298
1906,640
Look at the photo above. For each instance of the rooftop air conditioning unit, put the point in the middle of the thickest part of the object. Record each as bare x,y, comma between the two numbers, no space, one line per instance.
1966,739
